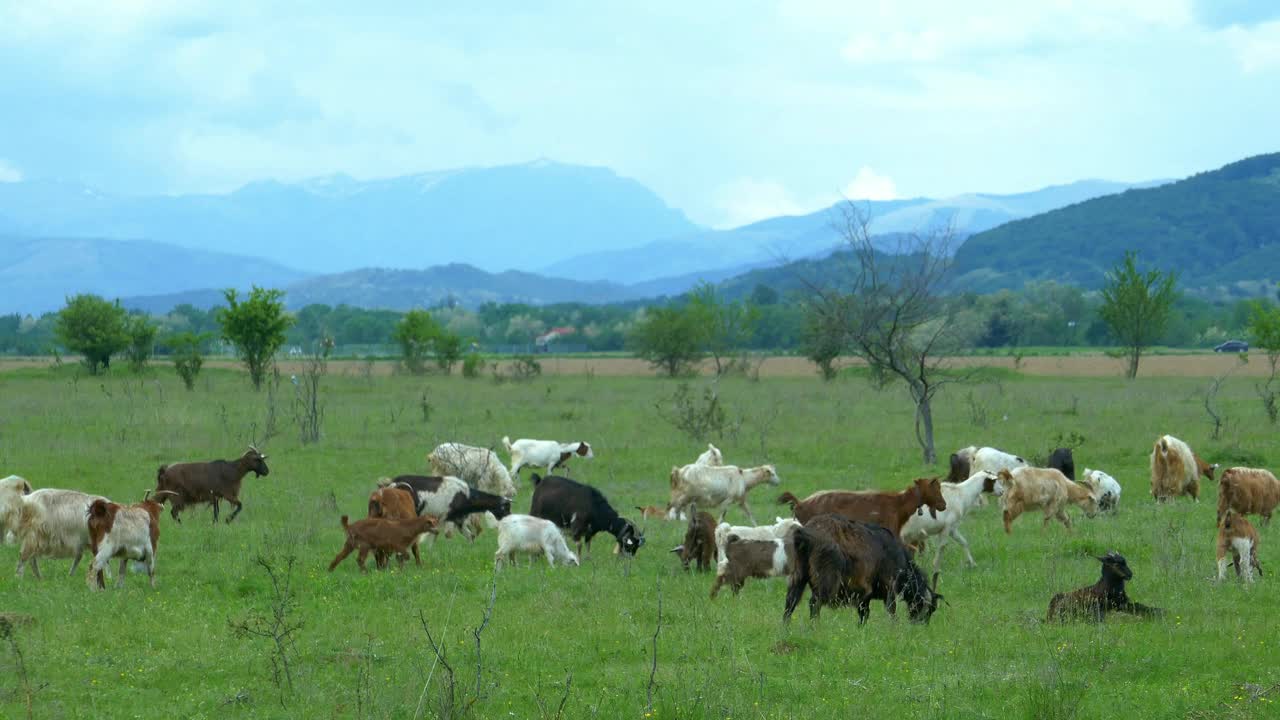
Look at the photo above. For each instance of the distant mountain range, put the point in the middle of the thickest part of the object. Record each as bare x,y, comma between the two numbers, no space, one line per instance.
777,240
37,275
516,216
1220,230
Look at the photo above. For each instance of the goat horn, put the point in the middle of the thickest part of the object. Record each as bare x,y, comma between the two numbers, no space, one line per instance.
146,495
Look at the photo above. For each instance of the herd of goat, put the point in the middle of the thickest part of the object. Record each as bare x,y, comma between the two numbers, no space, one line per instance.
845,547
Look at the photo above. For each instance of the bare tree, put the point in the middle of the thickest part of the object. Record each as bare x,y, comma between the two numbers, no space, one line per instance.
888,309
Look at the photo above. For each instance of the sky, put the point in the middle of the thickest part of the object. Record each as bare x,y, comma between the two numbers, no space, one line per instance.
730,111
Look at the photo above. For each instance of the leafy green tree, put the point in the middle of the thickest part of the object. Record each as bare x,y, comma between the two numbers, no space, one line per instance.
448,350
416,335
188,357
670,338
142,341
728,326
823,342
256,327
1136,306
94,328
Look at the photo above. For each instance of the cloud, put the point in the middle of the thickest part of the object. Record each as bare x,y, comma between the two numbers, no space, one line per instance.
9,173
1256,48
747,200
870,185
1225,13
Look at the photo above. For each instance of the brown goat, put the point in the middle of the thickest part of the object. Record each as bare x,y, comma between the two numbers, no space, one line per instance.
191,483
652,512
699,541
1204,468
129,532
1106,595
887,509
1248,491
1237,536
396,502
379,535
752,559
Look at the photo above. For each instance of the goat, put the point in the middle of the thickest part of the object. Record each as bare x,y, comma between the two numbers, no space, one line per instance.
1062,461
190,483
584,511
129,532
12,489
1237,536
887,509
751,559
717,486
1204,468
961,498
379,535
1107,595
845,562
1030,488
51,523
1104,488
780,528
966,462
394,503
547,454
652,512
450,499
479,467
528,534
699,541
711,456
1248,491
1173,470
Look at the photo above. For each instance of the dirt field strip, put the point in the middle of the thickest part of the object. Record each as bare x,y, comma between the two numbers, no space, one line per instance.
1203,365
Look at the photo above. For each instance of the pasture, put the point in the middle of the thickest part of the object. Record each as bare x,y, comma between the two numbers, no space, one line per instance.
362,652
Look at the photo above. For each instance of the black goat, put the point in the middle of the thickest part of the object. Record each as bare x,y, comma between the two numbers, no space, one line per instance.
844,562
1107,595
1062,461
583,510
190,483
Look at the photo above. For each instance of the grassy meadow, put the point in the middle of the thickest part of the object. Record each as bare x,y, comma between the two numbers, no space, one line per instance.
361,650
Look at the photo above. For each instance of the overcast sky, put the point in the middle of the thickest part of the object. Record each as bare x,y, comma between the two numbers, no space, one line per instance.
731,111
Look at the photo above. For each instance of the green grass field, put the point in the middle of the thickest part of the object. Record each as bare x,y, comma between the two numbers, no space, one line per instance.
361,651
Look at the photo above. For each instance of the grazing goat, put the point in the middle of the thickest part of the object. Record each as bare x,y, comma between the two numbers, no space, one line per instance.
129,532
961,498
52,523
1062,461
390,537
12,489
1107,595
966,462
1204,468
1103,487
479,467
718,486
1045,489
547,454
190,483
1173,470
844,562
450,499
528,534
1248,491
1237,536
779,529
886,509
397,502
752,559
584,511
699,541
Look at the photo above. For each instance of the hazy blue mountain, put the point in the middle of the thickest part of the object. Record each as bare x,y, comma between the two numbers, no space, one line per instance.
1220,230
516,216
37,274
776,240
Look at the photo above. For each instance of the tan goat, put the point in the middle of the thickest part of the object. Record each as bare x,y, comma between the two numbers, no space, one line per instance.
1047,489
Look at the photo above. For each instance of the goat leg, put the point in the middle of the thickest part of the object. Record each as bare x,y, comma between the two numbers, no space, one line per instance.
124,565
215,509
75,563
235,512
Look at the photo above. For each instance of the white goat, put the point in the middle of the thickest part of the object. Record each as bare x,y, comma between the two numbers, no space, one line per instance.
965,462
532,535
547,454
778,529
479,467
53,523
129,532
1104,487
960,497
718,486
12,489
711,456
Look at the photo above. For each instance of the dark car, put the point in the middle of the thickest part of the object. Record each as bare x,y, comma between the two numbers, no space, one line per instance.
1233,346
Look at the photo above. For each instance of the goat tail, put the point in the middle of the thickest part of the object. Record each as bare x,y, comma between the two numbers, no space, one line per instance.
506,442
787,498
